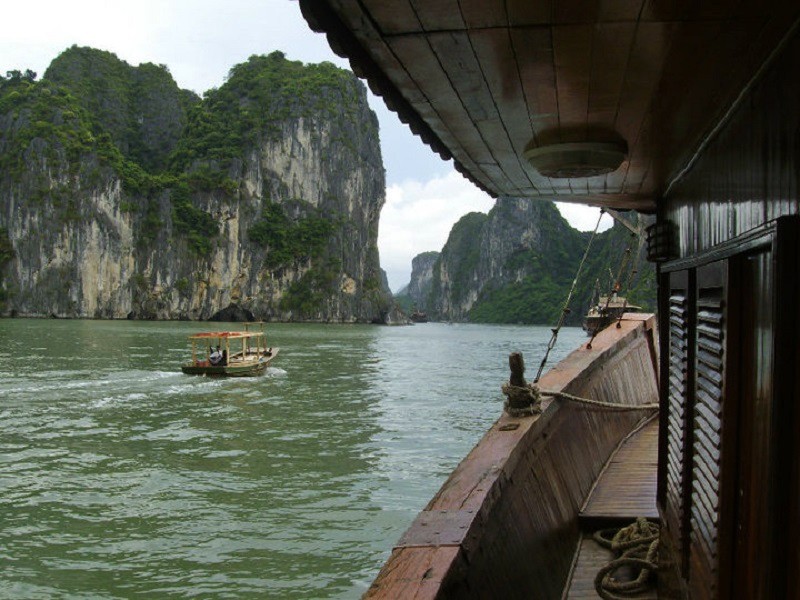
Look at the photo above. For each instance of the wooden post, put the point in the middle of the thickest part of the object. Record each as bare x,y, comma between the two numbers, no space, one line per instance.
522,399
517,365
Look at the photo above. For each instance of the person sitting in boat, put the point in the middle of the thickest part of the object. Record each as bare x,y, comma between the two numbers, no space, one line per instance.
215,358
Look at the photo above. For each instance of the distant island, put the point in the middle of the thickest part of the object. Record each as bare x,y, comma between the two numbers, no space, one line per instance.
517,264
123,196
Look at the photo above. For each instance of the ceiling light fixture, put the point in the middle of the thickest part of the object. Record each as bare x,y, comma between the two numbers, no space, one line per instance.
577,159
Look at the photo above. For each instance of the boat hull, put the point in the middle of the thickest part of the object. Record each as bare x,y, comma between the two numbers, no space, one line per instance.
248,368
505,524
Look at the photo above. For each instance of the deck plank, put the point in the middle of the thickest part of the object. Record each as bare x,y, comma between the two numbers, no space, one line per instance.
591,558
627,487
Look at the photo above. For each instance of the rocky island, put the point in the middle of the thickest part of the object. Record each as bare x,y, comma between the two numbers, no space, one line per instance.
124,196
517,264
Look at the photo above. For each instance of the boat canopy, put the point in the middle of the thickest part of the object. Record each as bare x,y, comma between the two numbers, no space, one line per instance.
231,335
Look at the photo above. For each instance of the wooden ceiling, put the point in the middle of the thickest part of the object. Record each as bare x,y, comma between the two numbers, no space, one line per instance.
482,80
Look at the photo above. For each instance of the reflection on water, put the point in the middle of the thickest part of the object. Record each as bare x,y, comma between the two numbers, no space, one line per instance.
120,476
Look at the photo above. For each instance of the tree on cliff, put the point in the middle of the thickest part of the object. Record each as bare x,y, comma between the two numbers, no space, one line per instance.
276,175
516,265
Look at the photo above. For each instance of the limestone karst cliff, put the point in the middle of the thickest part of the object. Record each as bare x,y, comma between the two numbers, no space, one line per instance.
123,196
419,286
516,265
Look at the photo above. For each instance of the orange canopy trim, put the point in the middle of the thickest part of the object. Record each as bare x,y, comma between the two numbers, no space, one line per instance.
226,334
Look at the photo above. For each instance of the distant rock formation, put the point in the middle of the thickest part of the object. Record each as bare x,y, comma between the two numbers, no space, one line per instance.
123,195
516,265
419,287
233,313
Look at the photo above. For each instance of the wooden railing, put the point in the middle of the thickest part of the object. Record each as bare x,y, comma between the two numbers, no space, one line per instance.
505,523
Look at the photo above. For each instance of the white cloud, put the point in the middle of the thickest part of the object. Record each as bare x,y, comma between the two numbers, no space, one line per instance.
584,218
418,217
200,40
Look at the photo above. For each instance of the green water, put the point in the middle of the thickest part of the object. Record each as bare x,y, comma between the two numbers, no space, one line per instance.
120,477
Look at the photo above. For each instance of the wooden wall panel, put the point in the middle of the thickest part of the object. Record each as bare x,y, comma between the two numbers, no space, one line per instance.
747,176
786,389
749,172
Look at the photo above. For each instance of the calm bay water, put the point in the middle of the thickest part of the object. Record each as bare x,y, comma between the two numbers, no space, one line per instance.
121,477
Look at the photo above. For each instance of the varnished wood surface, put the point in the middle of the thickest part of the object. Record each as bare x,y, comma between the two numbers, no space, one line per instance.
482,81
509,512
627,487
591,558
748,174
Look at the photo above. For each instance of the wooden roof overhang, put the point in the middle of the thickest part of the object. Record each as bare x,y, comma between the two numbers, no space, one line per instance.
481,81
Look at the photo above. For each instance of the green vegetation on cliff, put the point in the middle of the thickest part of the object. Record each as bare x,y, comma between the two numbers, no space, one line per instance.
517,264
306,296
6,254
114,164
603,266
465,252
287,240
197,225
258,95
540,295
141,108
44,119
101,116
547,270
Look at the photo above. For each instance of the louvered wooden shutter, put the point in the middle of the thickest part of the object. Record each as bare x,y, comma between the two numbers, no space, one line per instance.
707,444
676,427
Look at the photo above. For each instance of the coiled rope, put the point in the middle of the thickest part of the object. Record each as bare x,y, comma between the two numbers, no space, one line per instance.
636,547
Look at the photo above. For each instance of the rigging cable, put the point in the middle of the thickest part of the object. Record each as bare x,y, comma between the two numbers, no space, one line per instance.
565,310
615,288
631,275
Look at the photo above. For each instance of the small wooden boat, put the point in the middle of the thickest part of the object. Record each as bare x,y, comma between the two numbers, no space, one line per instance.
229,354
606,311
419,317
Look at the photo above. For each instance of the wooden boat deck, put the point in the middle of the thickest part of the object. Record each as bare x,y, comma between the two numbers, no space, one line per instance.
591,558
506,522
626,489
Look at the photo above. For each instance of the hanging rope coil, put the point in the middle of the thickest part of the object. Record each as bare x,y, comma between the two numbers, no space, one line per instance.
565,310
636,547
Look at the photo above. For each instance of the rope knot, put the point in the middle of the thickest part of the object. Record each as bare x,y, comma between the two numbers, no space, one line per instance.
522,401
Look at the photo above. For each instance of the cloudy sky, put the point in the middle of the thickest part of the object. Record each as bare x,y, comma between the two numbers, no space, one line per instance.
200,40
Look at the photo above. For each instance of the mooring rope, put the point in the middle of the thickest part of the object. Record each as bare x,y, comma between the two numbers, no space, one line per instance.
598,403
565,310
527,400
636,546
